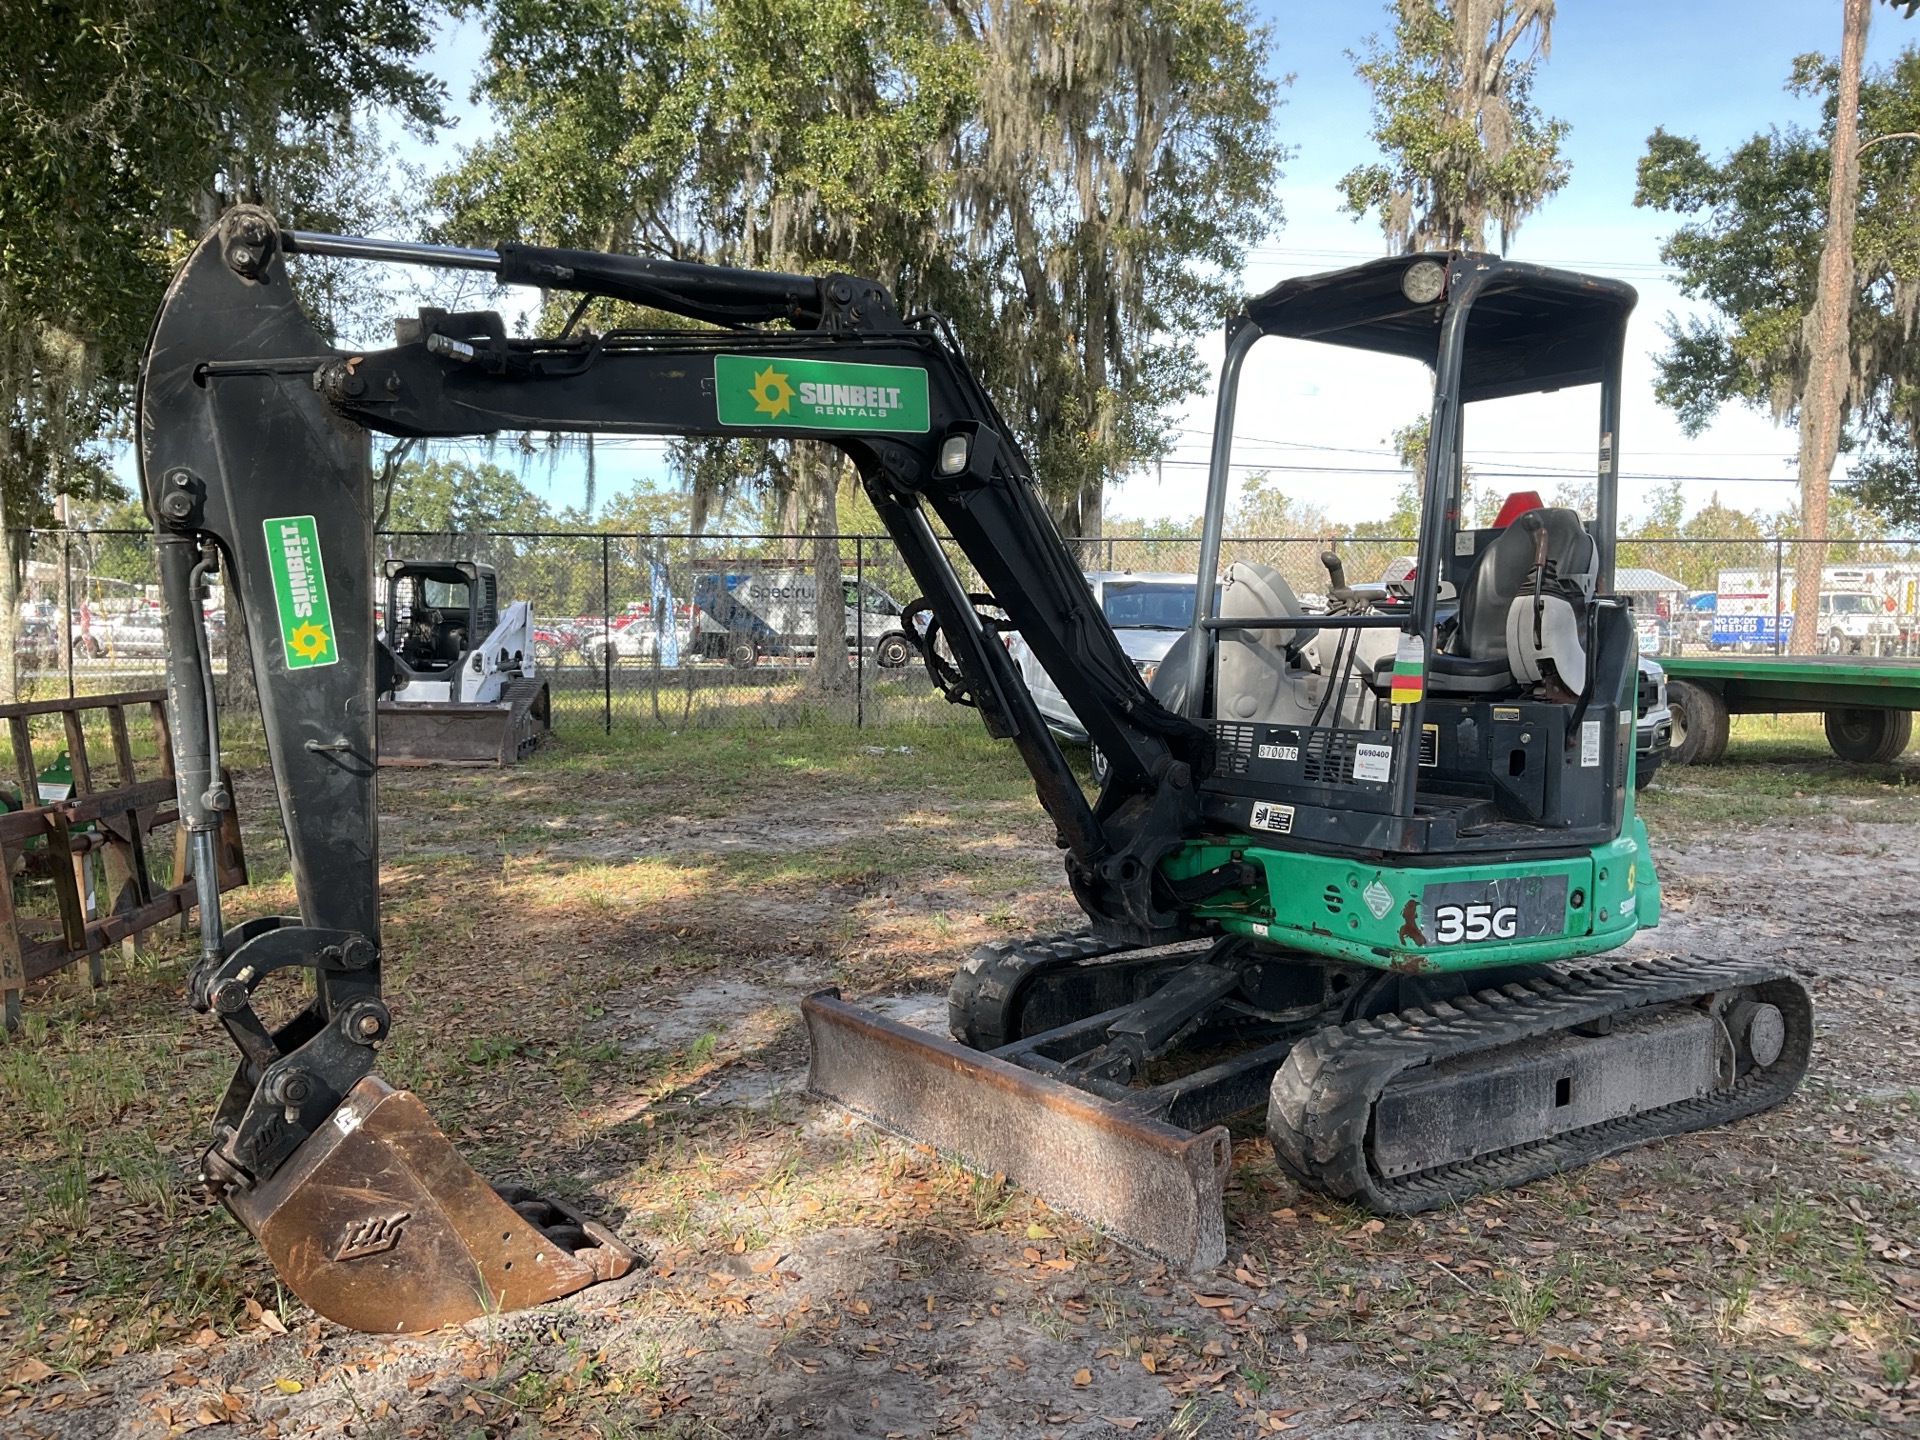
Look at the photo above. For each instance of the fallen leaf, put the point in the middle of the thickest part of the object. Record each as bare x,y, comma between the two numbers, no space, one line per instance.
1562,1352
286,1385
29,1371
471,1405
270,1321
1146,1359
1122,1422
1082,1376
1215,1302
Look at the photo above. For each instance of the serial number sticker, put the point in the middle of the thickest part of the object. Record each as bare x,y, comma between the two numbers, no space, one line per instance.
1372,762
1279,752
1464,541
1467,912
1268,816
1589,743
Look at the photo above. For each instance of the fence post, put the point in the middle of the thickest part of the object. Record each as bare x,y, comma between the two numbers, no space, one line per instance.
606,630
859,633
1779,595
66,602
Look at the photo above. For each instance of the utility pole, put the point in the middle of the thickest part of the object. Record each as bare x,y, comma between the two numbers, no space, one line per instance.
1823,403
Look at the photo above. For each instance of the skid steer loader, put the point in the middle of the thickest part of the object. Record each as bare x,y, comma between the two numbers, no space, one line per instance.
1339,863
456,672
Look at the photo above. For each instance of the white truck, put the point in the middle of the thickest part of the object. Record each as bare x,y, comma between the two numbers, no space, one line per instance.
1864,610
750,613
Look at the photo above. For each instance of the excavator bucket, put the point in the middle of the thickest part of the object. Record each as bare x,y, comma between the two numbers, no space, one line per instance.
379,1225
1151,1185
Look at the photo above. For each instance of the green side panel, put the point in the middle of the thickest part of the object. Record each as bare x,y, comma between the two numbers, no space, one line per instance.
819,394
1438,917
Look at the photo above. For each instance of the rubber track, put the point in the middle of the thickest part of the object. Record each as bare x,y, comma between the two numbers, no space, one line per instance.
1323,1097
987,983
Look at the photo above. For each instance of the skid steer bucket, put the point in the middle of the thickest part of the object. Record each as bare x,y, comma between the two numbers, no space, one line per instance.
1153,1186
466,733
379,1225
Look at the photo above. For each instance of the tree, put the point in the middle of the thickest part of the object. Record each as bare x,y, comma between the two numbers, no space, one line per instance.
1264,511
1122,161
1762,253
1071,183
460,497
1453,110
743,132
122,132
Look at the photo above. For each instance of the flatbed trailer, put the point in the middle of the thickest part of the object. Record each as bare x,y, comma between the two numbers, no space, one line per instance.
1868,702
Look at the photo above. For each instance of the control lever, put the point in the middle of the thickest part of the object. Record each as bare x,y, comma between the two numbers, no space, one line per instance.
1338,591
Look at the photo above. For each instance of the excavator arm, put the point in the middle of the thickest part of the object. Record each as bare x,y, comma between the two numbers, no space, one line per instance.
254,453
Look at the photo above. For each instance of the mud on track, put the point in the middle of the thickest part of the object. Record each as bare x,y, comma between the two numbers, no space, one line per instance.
595,961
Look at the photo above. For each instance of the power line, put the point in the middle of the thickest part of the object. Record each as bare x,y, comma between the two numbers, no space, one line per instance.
1532,474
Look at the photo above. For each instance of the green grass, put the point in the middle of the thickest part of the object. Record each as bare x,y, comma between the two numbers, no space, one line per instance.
1780,768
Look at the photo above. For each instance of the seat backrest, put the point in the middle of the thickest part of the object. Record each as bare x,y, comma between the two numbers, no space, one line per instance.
1251,667
1503,573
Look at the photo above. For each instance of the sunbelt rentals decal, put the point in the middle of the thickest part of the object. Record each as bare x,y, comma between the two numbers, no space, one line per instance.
300,592
819,394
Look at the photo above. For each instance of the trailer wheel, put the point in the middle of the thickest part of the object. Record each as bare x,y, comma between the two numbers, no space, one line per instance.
1699,723
1871,736
743,655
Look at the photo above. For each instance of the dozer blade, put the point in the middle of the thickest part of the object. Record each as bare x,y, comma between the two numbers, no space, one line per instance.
378,1224
1153,1186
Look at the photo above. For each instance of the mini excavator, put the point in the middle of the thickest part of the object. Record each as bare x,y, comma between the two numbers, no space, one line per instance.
1342,863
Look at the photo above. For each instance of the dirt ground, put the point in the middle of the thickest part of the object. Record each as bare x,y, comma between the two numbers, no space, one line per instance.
595,962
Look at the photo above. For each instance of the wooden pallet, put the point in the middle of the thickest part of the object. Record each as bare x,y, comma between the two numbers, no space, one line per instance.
111,822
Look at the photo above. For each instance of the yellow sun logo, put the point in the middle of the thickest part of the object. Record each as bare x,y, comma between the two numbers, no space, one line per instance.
772,395
307,640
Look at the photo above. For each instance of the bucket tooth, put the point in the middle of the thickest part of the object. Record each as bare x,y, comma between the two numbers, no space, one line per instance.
378,1224
1153,1186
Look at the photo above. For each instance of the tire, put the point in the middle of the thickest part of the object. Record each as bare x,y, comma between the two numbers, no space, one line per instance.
1699,723
892,652
743,655
1645,767
1099,765
546,653
1869,736
1836,643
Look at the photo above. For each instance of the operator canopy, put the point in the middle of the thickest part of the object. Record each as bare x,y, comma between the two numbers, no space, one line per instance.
1530,328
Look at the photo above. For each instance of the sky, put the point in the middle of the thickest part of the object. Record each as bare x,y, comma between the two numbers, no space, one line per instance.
1618,69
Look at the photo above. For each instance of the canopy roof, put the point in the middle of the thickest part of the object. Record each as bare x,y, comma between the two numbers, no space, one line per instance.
1530,328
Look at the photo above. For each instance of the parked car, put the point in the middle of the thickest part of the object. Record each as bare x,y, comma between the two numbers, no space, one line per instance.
1653,723
138,635
1148,611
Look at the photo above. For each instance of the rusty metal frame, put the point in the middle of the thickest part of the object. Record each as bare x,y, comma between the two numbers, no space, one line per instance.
50,840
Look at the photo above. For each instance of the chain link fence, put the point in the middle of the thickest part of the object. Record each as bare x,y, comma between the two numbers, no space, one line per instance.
679,631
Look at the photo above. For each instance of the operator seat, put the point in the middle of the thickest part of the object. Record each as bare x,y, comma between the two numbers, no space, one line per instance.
1523,612
1262,674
